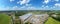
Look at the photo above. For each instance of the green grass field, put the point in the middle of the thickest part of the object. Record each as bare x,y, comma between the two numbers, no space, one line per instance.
4,19
52,21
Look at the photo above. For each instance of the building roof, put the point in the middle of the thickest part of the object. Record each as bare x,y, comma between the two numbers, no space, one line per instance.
26,16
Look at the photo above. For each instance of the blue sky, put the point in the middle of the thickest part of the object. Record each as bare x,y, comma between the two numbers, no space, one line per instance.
29,5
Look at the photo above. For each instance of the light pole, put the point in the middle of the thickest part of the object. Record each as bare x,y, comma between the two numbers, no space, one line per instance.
12,18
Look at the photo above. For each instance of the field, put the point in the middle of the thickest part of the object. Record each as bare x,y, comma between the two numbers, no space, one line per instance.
4,19
52,21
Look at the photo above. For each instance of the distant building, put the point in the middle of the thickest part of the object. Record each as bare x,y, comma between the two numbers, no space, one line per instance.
34,18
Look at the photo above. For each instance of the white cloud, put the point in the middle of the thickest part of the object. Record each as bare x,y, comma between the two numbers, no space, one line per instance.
14,8
32,8
21,2
28,4
57,0
23,8
4,8
46,1
50,8
27,8
57,4
12,0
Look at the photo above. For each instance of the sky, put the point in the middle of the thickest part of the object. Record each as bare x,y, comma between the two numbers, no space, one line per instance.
29,5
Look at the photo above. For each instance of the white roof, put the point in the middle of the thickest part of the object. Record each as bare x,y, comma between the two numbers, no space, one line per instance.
23,17
41,15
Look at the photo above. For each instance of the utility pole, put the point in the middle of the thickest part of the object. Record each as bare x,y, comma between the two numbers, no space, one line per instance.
12,18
